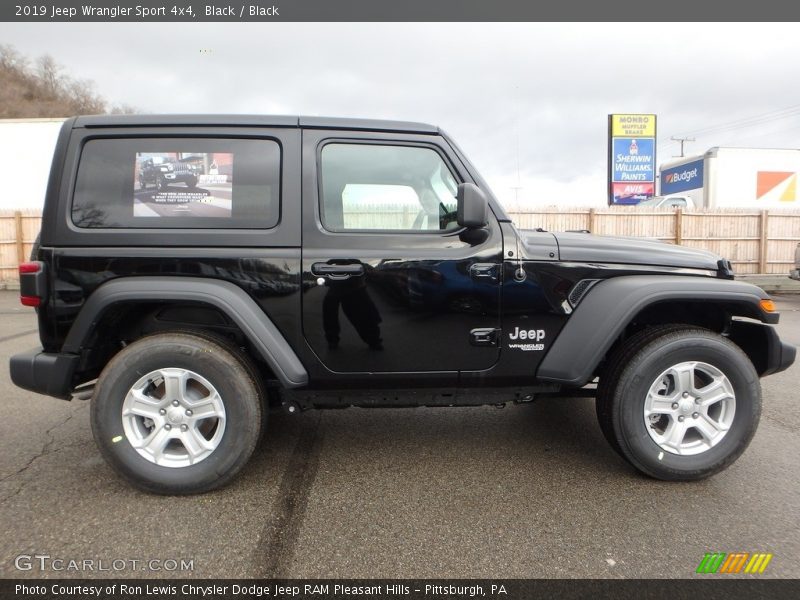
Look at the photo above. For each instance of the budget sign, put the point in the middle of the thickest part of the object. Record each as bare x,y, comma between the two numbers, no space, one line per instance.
688,176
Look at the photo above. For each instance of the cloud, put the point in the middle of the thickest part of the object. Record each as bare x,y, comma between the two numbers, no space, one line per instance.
528,102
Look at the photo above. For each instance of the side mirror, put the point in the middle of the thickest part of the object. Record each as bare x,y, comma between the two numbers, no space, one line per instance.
472,206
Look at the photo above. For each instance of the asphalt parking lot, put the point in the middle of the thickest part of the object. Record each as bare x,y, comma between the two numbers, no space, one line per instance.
527,491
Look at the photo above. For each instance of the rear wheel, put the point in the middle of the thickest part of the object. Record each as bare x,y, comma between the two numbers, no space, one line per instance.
177,413
680,403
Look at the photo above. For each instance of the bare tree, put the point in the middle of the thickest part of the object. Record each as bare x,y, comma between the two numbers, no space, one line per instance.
10,59
122,109
50,79
84,99
44,90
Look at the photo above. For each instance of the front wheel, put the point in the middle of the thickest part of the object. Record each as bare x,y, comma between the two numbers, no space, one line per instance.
682,403
177,413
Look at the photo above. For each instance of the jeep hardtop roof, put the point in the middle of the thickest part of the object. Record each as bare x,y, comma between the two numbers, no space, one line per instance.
253,121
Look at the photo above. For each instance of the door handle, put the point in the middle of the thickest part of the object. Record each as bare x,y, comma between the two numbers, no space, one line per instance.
337,271
484,336
484,272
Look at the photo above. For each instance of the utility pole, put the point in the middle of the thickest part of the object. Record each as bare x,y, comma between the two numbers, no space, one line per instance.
682,140
516,195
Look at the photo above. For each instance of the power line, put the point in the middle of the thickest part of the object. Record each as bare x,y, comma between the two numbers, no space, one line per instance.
751,121
743,123
739,140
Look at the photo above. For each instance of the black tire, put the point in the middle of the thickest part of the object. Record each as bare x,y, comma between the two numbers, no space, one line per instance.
247,363
613,369
634,368
191,182
161,183
210,358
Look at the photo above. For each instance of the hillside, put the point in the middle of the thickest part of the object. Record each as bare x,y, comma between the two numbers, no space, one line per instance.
41,89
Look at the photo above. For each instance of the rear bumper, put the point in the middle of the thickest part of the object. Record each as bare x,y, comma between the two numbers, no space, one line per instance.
44,373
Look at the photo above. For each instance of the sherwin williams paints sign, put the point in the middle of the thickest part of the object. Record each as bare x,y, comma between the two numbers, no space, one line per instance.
632,158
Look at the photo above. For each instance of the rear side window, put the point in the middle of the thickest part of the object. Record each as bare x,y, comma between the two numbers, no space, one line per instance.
178,183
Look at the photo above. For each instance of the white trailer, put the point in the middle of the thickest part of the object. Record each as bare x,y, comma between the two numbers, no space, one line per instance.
26,151
762,178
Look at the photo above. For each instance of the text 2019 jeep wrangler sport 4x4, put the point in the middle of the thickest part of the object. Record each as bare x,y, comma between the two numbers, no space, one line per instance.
355,262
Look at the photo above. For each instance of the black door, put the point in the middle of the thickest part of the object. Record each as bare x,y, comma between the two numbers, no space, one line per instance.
391,283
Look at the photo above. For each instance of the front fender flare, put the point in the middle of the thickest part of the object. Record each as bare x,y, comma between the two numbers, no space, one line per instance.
223,295
612,304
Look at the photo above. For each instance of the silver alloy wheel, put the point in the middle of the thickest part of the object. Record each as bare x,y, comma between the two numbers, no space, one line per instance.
173,417
689,408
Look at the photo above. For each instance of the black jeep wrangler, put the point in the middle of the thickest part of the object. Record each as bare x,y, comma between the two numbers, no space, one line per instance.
160,172
364,263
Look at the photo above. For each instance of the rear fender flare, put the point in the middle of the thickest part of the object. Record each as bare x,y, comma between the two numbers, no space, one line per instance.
225,296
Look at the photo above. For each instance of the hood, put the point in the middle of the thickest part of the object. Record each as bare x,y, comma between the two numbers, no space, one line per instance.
584,247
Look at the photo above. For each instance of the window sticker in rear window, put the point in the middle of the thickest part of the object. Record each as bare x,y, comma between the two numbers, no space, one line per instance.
183,184
178,183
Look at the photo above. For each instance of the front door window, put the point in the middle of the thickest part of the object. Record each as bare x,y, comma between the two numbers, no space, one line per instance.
370,187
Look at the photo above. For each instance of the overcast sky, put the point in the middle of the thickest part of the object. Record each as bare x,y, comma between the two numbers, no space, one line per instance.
527,102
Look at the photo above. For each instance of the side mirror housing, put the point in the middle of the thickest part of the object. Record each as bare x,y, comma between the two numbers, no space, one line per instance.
472,206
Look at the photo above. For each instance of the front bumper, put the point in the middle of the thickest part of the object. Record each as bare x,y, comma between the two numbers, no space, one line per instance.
788,353
762,344
44,372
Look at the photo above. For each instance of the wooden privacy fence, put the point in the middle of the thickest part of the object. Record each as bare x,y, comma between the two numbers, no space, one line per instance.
754,241
18,231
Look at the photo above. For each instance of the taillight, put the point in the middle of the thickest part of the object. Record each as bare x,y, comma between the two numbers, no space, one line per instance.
31,283
30,267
